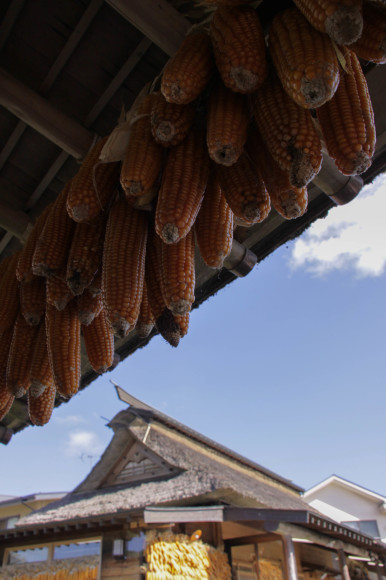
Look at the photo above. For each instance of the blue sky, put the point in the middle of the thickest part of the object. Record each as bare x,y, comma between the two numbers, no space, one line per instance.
285,366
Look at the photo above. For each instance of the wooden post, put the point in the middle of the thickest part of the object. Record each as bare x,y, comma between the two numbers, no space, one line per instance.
290,567
343,565
379,573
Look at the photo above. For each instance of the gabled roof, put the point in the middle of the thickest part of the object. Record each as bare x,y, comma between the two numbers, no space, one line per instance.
154,460
349,485
15,500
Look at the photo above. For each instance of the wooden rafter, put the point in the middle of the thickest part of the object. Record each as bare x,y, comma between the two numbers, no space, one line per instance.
159,21
37,112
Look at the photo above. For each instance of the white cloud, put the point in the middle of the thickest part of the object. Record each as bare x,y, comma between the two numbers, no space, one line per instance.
69,419
83,443
351,237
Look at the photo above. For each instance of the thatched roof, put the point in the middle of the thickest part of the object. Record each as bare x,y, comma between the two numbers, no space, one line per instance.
188,470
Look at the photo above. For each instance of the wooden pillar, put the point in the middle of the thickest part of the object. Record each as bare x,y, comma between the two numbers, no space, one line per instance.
379,572
343,565
290,567
256,562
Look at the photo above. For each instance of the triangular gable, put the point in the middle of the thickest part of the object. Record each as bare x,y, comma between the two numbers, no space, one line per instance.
137,465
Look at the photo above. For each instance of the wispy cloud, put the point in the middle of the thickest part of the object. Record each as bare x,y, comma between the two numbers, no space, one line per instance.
351,237
83,443
69,419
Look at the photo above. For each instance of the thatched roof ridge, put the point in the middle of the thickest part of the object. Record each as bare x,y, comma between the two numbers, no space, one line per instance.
204,476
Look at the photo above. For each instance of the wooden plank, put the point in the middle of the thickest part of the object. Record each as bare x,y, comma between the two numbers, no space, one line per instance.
14,9
266,515
120,78
35,111
159,21
198,514
71,44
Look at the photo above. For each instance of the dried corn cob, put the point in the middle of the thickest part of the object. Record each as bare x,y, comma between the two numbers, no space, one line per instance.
305,59
58,294
146,320
99,342
227,124
153,273
144,202
40,408
214,226
8,402
85,255
51,251
170,123
340,19
143,157
187,73
40,374
89,307
239,48
20,357
5,395
33,300
244,191
178,274
371,45
9,293
93,187
173,327
63,343
124,266
24,265
290,202
288,132
183,185
347,121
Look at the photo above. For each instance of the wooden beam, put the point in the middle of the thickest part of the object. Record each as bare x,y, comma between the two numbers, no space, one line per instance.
71,44
35,111
14,221
14,9
325,540
159,21
118,80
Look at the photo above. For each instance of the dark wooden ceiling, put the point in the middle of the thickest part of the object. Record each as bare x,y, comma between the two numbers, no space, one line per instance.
67,68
